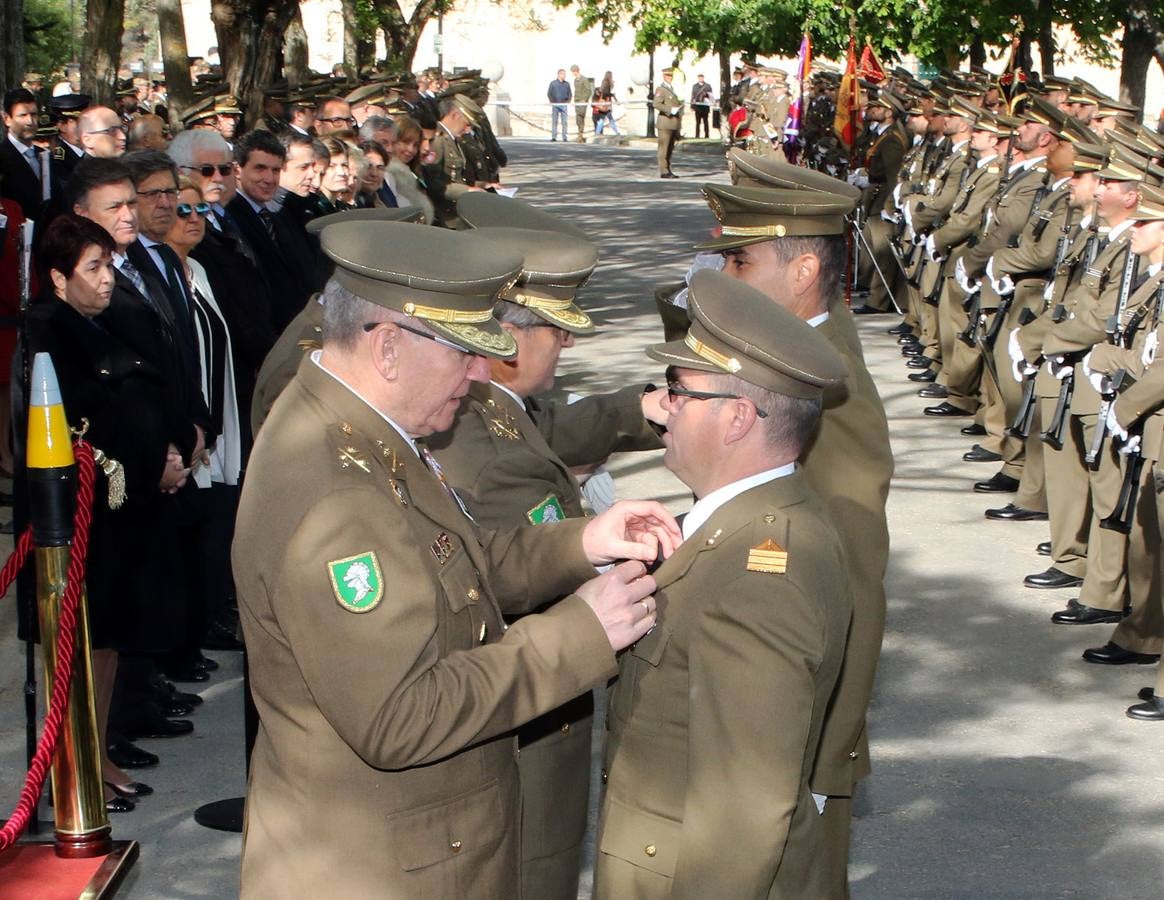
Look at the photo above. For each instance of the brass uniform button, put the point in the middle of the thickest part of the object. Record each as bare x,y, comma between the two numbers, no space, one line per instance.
650,850
852,754
473,595
566,728
455,846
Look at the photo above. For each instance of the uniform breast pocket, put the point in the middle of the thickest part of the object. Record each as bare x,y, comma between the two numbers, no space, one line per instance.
452,838
469,621
644,657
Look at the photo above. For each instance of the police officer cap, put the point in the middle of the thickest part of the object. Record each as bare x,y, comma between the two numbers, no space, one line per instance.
69,106
749,215
554,267
485,209
736,330
372,214
751,170
448,279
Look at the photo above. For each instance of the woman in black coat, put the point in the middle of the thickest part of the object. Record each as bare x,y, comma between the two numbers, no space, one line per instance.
135,601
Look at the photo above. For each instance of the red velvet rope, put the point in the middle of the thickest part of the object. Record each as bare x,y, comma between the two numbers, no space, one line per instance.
66,643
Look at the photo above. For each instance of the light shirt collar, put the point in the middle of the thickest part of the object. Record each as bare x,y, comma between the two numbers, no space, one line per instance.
1062,181
817,320
1117,230
316,354
1154,268
958,146
254,204
20,145
80,151
987,159
705,507
1029,163
516,399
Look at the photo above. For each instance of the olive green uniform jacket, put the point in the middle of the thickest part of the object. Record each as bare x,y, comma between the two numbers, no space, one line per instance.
849,464
385,759
302,334
508,473
716,717
447,177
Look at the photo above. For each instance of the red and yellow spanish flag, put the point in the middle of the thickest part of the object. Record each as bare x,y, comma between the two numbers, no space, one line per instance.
848,100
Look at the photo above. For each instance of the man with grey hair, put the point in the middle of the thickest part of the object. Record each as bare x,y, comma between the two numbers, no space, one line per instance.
204,156
380,129
388,703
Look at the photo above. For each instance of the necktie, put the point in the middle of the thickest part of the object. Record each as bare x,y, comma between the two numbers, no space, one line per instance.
129,270
33,160
435,468
176,280
268,221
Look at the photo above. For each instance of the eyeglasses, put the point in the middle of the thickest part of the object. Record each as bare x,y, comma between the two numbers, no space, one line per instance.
112,129
334,119
372,326
158,193
674,390
184,209
207,171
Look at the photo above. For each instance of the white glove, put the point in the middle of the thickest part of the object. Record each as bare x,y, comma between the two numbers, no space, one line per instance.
1014,348
1058,368
1149,355
859,179
907,211
897,195
962,278
990,269
1115,429
1099,380
1130,446
932,249
892,219
599,490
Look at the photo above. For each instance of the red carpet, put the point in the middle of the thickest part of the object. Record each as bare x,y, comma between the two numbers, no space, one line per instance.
35,872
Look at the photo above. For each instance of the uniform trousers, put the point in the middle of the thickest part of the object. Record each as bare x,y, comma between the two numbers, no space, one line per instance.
1068,499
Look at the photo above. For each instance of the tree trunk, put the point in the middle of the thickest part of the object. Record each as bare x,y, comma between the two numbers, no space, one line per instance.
12,35
250,45
295,51
351,38
101,50
172,31
977,52
1139,48
401,36
1047,48
725,83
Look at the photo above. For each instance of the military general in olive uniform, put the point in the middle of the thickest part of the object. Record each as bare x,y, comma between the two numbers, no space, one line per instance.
387,685
509,458
668,117
717,714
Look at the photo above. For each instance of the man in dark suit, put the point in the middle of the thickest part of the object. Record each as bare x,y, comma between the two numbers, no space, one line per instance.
21,164
260,157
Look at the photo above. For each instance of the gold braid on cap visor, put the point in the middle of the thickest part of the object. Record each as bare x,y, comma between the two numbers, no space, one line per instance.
450,316
754,231
727,363
533,302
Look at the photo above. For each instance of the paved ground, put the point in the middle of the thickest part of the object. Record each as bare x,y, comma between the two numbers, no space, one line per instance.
1004,765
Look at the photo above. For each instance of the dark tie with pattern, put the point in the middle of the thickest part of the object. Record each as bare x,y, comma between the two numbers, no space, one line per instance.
268,221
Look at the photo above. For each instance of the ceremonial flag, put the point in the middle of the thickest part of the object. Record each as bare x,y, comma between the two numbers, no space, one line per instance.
848,100
796,110
870,68
1012,83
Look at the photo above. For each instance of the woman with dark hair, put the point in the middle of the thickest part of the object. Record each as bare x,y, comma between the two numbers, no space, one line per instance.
370,187
404,171
125,400
336,179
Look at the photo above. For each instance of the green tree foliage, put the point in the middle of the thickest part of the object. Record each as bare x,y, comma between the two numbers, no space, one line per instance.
47,44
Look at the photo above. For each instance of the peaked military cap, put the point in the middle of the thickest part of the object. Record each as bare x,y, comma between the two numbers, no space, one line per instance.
484,209
1081,91
227,105
366,93
69,106
1124,165
750,215
1109,108
1089,158
736,330
886,99
1150,207
448,279
371,214
473,112
990,123
199,112
1076,132
1041,112
750,170
554,267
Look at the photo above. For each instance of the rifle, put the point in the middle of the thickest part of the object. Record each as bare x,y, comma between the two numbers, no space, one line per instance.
1091,250
1053,435
1124,513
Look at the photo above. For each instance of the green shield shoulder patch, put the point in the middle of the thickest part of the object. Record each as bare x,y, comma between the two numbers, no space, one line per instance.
357,582
546,512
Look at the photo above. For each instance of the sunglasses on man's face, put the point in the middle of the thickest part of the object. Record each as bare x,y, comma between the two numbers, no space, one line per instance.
184,209
206,171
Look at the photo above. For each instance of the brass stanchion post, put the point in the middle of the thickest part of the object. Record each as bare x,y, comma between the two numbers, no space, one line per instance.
82,825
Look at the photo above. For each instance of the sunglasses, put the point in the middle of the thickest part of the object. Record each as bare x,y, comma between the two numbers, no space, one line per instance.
206,171
184,209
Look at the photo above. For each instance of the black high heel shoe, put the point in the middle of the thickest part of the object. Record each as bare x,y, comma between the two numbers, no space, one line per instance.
119,805
135,790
